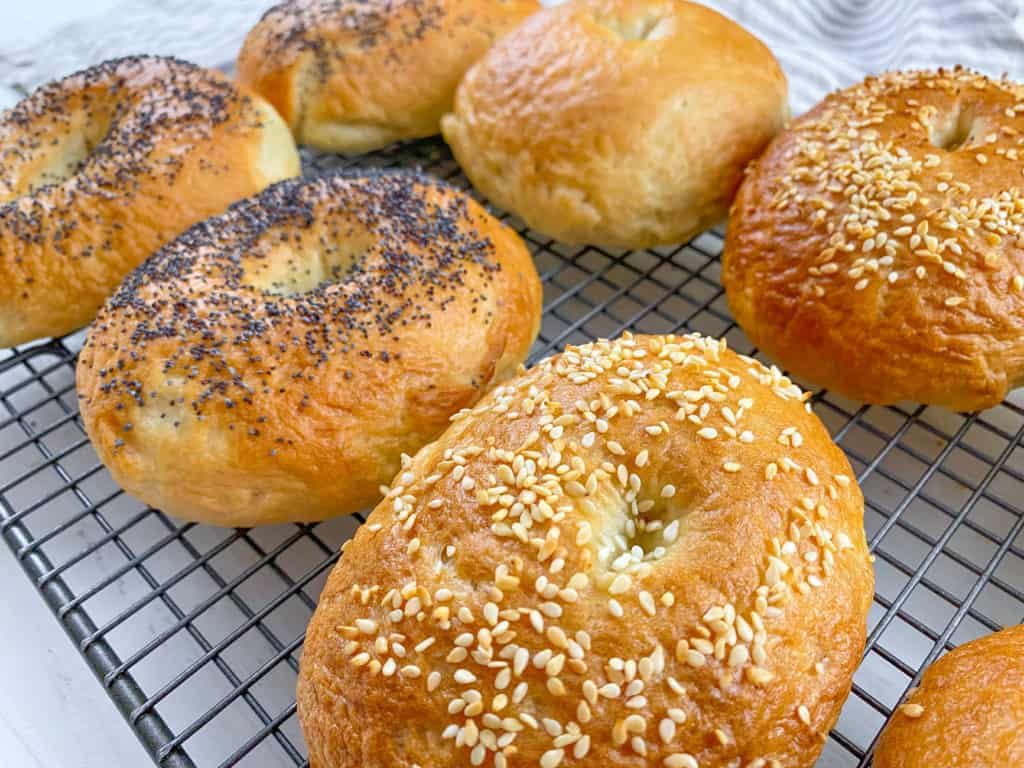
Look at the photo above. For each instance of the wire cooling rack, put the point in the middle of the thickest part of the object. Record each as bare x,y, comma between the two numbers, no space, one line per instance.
196,632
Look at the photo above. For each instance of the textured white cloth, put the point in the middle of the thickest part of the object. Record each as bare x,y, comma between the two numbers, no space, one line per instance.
822,44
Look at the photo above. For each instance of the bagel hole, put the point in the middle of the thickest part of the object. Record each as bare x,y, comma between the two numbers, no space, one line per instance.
69,153
653,25
953,130
291,269
642,531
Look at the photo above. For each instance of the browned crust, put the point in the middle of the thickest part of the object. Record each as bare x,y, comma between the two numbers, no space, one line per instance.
351,76
950,330
173,144
215,401
968,710
622,123
372,702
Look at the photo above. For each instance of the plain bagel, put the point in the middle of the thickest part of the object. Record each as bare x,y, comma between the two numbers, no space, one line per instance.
101,168
642,552
350,76
273,363
622,123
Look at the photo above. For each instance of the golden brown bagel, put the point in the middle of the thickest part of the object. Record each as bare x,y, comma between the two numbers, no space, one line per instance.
875,247
273,363
967,713
354,75
644,552
617,122
101,168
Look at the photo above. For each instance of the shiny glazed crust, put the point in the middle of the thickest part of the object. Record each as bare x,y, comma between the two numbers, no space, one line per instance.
617,122
272,364
875,247
968,711
100,169
351,76
644,552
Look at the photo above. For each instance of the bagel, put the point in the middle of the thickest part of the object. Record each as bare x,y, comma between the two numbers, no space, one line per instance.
101,168
644,552
272,364
875,249
622,123
967,712
350,75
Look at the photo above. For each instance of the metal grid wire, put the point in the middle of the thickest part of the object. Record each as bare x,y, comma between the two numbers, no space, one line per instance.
196,632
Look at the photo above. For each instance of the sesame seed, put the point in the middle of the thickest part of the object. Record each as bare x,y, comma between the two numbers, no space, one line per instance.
738,656
671,532
638,745
913,711
620,584
681,760
520,660
677,715
582,747
635,724
759,675
667,730
804,714
647,603
703,645
708,433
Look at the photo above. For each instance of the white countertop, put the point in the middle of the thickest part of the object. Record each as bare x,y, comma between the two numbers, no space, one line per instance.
53,712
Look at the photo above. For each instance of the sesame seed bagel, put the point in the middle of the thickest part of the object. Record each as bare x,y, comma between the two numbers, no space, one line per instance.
644,552
354,75
101,168
272,364
875,248
967,712
623,123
